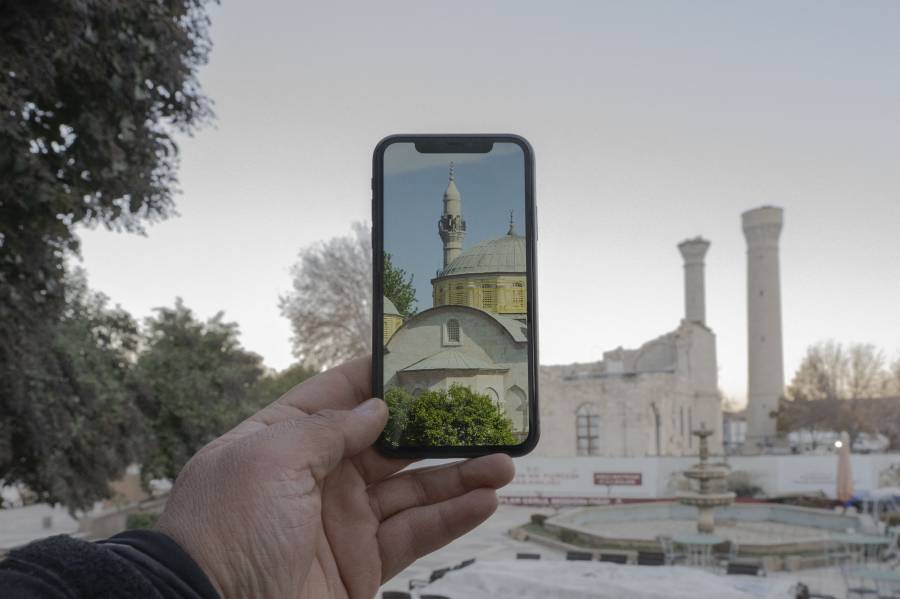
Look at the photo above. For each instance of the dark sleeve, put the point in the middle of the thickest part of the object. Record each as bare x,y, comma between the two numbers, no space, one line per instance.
142,564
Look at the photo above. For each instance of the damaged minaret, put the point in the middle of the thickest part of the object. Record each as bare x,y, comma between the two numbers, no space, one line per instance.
762,227
693,251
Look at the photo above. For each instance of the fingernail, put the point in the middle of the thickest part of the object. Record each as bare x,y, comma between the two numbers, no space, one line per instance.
370,406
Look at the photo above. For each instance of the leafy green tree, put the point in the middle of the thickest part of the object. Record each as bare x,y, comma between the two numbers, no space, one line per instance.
194,382
398,287
91,94
459,416
275,384
70,425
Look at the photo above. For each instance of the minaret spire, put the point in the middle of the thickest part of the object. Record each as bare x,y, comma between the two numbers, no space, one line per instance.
451,226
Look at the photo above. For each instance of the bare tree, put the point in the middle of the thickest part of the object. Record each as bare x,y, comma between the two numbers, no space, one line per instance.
330,304
831,371
832,390
729,404
866,375
894,382
822,373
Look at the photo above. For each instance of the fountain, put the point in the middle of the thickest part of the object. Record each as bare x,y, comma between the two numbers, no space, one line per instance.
705,499
778,532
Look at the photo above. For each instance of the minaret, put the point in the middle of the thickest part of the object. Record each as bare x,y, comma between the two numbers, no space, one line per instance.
693,251
451,226
762,226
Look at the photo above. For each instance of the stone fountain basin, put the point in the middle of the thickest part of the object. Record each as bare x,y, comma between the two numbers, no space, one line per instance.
706,500
758,528
705,474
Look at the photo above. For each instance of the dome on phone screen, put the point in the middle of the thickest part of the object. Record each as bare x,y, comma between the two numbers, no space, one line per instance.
502,255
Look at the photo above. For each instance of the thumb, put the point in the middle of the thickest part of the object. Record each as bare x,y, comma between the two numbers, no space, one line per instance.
328,436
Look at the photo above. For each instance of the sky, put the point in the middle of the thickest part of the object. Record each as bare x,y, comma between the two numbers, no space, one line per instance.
489,185
651,122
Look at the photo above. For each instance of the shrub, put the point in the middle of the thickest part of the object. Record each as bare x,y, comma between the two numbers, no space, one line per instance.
458,416
141,520
538,519
742,485
567,536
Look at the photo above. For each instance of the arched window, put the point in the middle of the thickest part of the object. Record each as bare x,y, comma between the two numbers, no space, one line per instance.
517,408
492,393
587,430
451,332
458,296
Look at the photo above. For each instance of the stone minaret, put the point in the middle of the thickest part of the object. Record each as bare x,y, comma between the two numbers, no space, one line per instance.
693,252
762,226
451,226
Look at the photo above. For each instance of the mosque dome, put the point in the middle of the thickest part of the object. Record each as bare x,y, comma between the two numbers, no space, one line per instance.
389,308
502,255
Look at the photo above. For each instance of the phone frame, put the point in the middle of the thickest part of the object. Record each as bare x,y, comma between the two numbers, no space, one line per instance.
456,143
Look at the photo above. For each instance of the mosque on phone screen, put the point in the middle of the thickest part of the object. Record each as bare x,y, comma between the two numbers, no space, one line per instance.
476,333
634,402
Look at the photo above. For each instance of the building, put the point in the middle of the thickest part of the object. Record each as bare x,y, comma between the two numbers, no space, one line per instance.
491,275
476,333
393,320
734,431
643,401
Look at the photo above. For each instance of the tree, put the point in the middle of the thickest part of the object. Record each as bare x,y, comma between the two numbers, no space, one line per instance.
194,381
830,390
275,384
91,94
330,305
894,378
398,287
866,375
459,416
831,371
821,374
74,426
729,404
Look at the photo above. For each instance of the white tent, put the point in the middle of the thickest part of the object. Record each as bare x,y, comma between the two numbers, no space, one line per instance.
596,580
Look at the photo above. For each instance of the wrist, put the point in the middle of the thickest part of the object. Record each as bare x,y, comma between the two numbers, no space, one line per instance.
195,554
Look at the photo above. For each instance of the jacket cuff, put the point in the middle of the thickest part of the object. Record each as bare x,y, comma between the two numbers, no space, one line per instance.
164,561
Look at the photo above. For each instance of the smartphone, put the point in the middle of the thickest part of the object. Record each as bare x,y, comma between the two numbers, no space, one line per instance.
454,338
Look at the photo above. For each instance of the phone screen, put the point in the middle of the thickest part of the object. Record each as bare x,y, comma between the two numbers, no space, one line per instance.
457,354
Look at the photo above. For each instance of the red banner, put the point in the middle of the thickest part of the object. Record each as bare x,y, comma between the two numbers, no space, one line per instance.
618,479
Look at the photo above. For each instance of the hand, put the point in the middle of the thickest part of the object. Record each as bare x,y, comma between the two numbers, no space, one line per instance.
294,502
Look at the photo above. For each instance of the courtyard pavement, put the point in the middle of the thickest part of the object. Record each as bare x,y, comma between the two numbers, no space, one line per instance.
491,543
488,543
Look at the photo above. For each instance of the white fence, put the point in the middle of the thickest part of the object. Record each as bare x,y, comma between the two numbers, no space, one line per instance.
578,479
